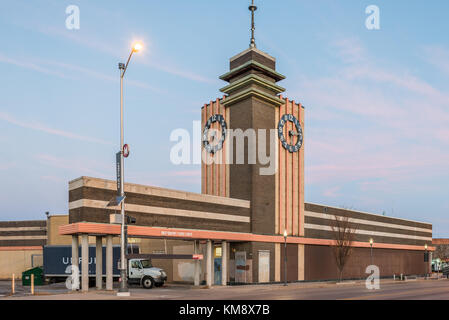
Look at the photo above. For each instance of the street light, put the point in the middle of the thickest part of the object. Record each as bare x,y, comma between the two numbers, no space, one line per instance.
137,47
285,257
122,67
371,242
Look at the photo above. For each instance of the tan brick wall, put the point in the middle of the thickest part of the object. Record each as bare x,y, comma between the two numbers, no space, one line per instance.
54,238
16,262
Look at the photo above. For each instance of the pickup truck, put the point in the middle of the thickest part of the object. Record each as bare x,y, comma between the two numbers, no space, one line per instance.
141,271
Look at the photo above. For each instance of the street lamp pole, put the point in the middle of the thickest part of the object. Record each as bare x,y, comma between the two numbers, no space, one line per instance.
426,260
123,283
371,242
285,257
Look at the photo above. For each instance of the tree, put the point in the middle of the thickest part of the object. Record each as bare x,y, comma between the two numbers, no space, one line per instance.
344,234
441,252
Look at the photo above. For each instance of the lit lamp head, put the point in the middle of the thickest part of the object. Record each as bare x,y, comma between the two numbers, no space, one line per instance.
137,47
285,233
371,241
425,246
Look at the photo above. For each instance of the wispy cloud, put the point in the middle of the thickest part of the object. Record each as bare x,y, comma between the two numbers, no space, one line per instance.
332,192
99,75
83,39
154,62
349,50
185,173
31,66
171,68
7,165
75,71
438,56
79,166
43,128
404,137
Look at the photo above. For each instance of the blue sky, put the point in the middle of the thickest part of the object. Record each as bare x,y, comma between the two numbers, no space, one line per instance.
377,101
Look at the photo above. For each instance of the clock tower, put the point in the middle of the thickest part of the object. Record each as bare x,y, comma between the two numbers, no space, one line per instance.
253,106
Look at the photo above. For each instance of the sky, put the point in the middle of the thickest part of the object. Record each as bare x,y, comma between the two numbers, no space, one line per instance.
377,101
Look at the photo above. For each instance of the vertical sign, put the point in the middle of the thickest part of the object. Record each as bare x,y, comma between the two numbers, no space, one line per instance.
118,168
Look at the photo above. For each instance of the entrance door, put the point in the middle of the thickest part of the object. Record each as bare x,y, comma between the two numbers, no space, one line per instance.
240,267
217,265
264,266
217,271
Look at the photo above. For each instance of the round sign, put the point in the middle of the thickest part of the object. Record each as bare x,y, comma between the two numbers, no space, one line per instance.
125,151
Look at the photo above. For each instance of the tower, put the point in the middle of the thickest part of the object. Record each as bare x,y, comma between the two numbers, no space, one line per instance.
253,106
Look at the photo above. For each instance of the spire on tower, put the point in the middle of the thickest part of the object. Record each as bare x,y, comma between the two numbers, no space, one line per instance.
252,8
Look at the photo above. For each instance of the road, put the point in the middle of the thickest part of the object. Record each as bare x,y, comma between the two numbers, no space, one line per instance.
389,290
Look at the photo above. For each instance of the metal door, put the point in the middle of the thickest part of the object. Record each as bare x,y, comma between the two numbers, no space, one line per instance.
264,266
240,267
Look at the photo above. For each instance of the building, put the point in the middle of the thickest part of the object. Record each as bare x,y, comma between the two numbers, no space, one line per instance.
239,219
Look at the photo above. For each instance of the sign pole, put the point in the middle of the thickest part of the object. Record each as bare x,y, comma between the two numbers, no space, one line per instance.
123,290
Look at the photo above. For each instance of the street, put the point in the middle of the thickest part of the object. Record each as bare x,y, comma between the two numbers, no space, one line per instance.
389,290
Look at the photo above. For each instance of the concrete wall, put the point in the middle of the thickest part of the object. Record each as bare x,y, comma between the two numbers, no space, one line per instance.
16,262
177,270
183,270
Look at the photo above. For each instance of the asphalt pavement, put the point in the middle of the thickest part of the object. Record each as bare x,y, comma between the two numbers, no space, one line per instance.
389,290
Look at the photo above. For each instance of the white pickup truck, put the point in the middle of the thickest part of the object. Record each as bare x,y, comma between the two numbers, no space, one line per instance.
141,271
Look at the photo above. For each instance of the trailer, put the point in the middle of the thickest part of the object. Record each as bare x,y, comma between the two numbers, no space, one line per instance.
58,261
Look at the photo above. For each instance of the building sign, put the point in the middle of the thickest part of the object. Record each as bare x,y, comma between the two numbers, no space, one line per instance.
176,233
118,169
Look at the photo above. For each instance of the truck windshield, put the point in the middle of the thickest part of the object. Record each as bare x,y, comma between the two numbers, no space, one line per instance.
146,263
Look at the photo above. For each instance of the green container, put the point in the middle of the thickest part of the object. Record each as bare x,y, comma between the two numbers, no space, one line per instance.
38,276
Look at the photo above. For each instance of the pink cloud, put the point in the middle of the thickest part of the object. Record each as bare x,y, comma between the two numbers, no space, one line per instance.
332,192
438,56
185,173
405,136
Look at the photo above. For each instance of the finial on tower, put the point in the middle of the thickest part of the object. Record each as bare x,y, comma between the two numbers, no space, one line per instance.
252,8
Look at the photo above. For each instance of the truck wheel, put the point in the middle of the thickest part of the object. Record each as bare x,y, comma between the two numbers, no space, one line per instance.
147,282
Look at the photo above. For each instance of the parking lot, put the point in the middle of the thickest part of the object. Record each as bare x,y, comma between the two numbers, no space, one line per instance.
21,291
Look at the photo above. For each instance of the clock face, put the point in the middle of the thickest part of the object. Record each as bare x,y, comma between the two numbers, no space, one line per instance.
213,146
293,135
